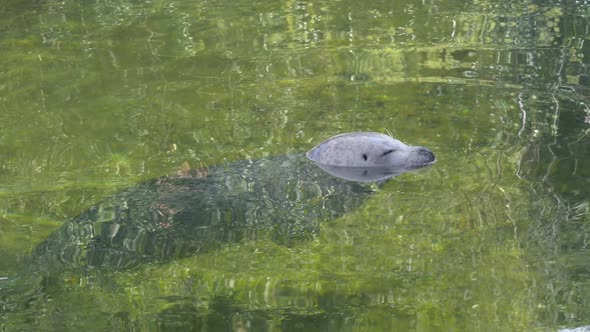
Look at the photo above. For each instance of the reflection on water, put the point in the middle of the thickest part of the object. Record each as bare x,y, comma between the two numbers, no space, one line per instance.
101,95
557,161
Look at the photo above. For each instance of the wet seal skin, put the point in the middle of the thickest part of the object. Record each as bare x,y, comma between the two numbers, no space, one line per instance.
368,156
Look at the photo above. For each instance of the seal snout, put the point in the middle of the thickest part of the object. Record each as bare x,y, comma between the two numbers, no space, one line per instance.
427,154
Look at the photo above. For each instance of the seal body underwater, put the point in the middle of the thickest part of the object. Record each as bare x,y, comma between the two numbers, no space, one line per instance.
282,198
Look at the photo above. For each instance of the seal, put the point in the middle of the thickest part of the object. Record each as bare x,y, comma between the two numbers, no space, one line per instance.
282,198
368,156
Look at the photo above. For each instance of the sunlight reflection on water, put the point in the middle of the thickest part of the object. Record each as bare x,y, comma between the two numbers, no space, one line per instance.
100,96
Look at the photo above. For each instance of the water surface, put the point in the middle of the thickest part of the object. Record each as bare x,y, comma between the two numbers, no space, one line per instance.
98,96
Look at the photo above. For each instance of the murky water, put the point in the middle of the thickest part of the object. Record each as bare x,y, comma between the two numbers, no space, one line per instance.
99,96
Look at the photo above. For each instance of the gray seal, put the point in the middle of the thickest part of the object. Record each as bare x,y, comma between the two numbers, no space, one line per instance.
368,156
283,198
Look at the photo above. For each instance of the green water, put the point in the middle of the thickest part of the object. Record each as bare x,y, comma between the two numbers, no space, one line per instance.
99,95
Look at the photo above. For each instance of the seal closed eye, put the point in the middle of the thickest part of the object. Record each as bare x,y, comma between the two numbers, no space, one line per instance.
387,152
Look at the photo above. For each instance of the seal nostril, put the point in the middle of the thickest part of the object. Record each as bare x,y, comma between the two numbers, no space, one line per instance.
427,153
431,156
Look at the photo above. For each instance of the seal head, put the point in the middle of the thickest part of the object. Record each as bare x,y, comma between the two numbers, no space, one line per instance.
368,156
